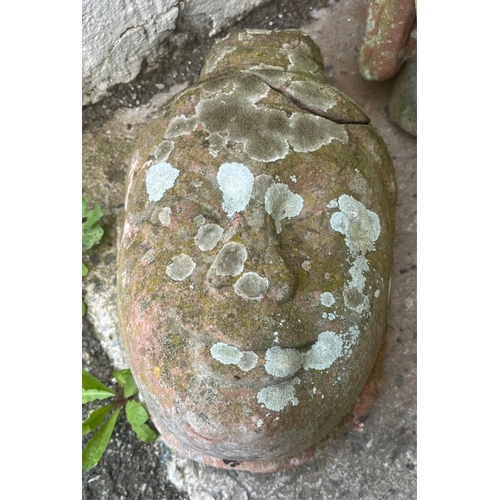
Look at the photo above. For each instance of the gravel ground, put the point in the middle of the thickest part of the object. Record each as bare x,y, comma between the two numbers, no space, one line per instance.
129,468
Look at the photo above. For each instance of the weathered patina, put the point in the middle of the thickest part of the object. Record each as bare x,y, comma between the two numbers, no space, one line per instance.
255,257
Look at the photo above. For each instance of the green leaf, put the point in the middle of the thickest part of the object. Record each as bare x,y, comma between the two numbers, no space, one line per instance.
98,443
85,270
137,417
91,382
91,231
145,433
126,380
130,387
93,394
93,215
95,419
136,413
121,376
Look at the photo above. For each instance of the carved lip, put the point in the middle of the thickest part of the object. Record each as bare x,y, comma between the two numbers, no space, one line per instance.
232,374
205,340
240,378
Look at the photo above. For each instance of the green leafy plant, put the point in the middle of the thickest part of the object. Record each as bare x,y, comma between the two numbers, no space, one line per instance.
92,390
91,233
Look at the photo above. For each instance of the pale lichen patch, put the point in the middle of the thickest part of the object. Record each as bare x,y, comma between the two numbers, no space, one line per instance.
276,397
329,316
248,361
162,151
356,300
314,94
230,355
165,216
282,362
324,351
327,299
360,226
215,57
243,36
230,260
301,61
226,354
251,286
264,66
250,124
281,203
208,236
309,132
306,265
180,125
354,333
160,178
236,183
181,267
359,266
256,31
199,220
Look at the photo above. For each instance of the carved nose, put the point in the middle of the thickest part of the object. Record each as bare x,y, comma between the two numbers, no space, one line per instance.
266,257
282,281
261,269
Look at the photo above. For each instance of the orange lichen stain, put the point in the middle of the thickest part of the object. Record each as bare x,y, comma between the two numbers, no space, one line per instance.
157,371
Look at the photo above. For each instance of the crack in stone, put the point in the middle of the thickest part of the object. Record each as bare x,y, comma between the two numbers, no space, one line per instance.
313,111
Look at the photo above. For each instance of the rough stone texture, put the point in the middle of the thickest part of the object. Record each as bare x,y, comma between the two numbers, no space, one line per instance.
331,201
403,105
104,168
119,35
376,459
390,38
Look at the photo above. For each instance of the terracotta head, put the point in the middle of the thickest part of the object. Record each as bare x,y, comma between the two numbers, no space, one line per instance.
255,256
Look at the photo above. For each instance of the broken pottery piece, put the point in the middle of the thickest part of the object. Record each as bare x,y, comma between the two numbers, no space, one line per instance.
403,103
390,38
255,258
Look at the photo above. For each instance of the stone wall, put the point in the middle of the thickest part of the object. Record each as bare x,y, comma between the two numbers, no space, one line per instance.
119,35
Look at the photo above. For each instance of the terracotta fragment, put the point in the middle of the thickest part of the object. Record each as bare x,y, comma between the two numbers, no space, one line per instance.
403,104
390,38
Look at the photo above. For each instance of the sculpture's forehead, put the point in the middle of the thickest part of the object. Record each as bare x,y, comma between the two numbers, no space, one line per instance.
241,113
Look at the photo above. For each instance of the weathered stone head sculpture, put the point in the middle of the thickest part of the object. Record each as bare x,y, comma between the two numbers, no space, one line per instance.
255,256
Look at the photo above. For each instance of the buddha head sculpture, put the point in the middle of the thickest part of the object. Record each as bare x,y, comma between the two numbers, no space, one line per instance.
255,256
